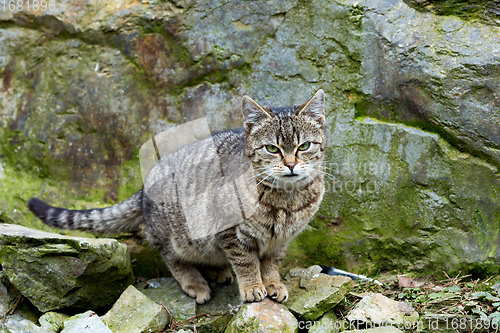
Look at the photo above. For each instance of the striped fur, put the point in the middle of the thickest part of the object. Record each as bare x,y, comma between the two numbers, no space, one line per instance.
125,216
288,190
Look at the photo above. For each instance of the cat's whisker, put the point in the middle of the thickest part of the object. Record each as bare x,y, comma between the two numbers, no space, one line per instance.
312,179
263,179
272,185
329,168
257,175
329,174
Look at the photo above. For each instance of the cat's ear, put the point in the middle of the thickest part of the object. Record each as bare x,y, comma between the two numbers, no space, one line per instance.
314,108
253,112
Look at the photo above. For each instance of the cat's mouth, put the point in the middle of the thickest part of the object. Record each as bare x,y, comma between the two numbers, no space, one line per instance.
291,175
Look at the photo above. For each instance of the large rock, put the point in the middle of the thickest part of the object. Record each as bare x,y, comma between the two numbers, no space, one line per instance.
430,74
83,86
401,197
55,271
260,317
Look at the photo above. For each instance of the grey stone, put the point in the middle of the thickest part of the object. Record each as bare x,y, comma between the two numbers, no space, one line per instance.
329,323
306,274
6,299
77,272
17,324
377,309
19,317
264,316
224,299
168,292
135,313
224,303
53,321
313,293
85,322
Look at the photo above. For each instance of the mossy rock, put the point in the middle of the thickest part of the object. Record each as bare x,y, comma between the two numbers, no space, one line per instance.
56,272
264,316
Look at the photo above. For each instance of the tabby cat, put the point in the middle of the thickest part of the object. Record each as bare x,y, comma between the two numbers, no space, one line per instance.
284,148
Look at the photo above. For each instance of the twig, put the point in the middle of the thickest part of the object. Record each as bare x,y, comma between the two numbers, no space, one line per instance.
12,309
451,280
197,316
457,278
175,324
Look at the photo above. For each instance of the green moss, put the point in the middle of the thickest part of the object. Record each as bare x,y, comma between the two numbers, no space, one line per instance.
384,112
77,264
316,245
480,270
215,324
475,10
14,144
252,325
19,186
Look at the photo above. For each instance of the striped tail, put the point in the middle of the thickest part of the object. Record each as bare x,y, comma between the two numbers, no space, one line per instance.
125,216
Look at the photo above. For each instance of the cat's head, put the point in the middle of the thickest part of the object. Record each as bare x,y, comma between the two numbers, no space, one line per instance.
286,145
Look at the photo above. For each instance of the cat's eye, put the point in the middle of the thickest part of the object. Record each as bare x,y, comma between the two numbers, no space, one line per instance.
272,149
304,146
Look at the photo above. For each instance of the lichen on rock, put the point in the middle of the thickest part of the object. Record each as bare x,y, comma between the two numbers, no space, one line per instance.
264,316
77,272
313,293
133,312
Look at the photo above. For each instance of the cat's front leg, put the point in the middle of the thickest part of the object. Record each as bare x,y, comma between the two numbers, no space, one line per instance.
246,266
269,268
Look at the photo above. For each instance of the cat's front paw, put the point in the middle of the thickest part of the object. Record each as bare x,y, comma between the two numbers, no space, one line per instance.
200,292
253,293
277,291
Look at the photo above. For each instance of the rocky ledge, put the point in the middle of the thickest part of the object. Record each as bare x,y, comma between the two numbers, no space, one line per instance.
72,284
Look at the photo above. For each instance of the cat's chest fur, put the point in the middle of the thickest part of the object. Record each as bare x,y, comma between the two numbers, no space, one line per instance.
281,215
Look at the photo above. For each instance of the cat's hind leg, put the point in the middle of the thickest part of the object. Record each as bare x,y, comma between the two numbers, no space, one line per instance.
222,275
188,276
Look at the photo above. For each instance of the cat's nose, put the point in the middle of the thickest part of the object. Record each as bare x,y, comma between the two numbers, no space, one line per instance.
291,165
